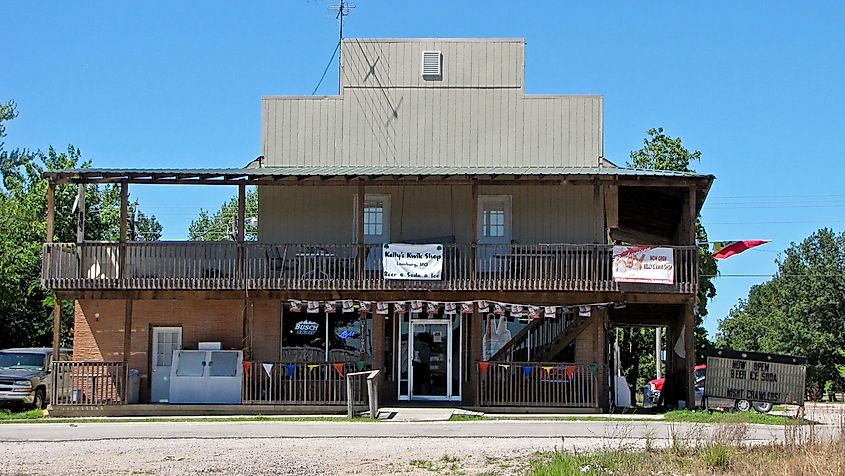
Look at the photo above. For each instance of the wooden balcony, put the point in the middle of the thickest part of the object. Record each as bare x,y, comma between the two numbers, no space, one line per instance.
308,267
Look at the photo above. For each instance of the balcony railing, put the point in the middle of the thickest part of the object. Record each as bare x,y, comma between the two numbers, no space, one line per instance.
230,266
538,384
88,383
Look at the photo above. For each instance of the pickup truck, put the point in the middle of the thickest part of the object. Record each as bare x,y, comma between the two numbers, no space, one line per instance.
25,376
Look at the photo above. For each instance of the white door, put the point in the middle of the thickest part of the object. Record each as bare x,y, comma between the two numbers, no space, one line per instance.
376,228
494,232
165,341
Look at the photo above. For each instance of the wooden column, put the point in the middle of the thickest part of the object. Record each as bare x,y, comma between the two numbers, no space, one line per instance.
473,235
359,233
124,222
241,212
378,350
598,215
51,212
57,305
688,310
57,326
473,329
80,214
127,344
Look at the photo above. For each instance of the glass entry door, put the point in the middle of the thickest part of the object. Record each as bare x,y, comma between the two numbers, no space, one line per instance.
430,359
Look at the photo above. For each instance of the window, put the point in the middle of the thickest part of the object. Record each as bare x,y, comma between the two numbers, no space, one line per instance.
493,222
374,217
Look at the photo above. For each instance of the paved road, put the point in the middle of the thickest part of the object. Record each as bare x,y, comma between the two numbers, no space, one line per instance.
253,448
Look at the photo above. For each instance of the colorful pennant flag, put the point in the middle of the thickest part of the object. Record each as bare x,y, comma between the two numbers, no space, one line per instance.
313,366
499,309
516,311
484,367
295,306
450,308
466,308
348,306
331,306
360,365
548,369
381,307
313,307
246,365
550,311
570,371
483,306
338,367
584,311
399,307
726,249
504,366
534,312
527,370
291,369
267,368
366,306
594,369
416,306
432,307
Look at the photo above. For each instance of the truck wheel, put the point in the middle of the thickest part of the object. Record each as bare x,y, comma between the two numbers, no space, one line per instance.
743,405
39,402
763,407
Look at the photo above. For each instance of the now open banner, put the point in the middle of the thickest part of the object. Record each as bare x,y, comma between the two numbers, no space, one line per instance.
643,264
403,261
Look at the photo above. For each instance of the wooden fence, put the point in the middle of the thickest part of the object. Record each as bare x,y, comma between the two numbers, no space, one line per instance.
298,383
538,384
228,265
84,383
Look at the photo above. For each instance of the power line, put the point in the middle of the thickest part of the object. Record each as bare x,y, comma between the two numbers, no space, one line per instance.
336,48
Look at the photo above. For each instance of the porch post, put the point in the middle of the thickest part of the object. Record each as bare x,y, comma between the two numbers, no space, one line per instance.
127,344
473,330
473,235
378,349
57,326
80,214
688,309
359,233
51,211
124,214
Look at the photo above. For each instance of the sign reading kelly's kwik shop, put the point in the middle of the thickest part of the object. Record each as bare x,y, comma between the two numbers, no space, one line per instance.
643,264
404,261
756,377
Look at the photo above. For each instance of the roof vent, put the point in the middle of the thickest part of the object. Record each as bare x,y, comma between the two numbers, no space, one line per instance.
431,64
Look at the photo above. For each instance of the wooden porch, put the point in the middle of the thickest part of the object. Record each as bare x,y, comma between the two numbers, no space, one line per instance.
190,266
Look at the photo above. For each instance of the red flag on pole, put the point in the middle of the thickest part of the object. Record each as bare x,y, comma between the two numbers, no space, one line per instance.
726,249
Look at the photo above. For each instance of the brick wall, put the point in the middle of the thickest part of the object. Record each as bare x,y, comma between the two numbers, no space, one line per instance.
99,325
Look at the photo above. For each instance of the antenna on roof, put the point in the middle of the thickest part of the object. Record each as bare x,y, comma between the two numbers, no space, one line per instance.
342,8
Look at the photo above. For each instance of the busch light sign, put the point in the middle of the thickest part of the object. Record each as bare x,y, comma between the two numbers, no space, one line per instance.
306,328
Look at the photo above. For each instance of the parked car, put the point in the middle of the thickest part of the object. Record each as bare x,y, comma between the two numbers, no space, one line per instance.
25,376
652,391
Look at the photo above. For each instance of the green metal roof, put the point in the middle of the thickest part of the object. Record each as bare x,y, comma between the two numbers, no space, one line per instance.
244,174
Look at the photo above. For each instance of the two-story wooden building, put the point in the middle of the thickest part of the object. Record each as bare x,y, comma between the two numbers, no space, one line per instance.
431,143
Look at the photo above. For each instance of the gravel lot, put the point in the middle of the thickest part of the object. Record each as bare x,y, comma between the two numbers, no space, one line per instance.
286,456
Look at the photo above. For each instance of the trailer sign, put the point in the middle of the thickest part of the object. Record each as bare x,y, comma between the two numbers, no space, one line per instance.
755,380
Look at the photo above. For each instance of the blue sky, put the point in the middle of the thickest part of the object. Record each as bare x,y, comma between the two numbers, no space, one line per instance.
756,86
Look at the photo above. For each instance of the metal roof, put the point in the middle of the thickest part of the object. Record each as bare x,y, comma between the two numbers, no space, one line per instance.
93,175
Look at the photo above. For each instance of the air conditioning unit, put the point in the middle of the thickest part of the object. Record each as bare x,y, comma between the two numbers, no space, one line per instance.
210,346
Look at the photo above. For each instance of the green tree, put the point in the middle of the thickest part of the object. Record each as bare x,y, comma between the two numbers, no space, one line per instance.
800,311
221,225
25,306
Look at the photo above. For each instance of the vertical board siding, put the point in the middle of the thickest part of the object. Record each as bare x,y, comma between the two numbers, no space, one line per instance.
475,115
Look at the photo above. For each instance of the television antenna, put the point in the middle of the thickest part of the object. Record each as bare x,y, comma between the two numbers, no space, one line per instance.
342,8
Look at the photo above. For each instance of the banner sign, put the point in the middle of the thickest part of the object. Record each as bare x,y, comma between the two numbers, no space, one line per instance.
755,380
643,264
402,261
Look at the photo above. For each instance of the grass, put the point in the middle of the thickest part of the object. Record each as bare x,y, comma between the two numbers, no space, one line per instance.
750,417
468,418
7,414
446,464
717,458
